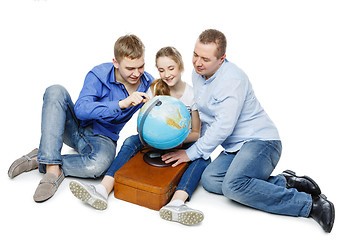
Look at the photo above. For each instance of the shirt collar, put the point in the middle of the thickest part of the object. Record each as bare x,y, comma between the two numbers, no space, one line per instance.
112,76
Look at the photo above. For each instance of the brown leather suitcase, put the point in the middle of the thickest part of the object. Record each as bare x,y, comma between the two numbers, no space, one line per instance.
140,183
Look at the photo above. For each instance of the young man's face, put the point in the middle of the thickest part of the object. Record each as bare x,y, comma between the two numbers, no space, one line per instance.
204,60
130,70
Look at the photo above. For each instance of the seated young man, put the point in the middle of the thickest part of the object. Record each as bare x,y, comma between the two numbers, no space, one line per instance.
111,94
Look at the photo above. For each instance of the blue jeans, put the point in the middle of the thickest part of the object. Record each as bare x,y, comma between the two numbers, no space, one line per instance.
189,180
59,125
245,178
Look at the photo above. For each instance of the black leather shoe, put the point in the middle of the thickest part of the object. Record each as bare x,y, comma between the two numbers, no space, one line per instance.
302,184
323,212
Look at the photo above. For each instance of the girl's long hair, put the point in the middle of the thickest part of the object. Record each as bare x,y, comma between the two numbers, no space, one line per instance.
159,87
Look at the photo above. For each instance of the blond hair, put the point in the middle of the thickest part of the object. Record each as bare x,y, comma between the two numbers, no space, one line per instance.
159,87
172,53
129,46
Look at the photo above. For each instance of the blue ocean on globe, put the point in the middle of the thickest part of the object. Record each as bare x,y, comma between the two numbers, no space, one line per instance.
164,122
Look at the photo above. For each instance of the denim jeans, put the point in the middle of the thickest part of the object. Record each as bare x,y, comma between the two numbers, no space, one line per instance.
245,178
189,180
59,125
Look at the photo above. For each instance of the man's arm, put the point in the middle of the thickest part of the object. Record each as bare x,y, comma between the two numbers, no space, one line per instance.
88,106
227,114
226,111
226,104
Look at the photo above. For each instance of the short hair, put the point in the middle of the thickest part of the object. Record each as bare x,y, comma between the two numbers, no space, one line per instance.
129,46
172,53
214,36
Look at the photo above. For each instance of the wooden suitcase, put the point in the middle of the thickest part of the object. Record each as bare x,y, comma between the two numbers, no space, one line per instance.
140,183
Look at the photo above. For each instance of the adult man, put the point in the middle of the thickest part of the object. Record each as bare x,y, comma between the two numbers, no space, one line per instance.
111,94
232,117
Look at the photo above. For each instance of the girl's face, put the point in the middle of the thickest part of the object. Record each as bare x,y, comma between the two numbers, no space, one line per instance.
169,70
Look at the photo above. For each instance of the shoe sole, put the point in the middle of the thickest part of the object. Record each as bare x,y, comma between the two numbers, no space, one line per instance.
81,193
328,230
186,218
332,209
333,218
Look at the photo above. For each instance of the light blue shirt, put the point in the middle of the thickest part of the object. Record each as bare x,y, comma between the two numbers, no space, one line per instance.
229,112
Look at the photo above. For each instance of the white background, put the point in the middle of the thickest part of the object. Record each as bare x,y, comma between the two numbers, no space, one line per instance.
302,58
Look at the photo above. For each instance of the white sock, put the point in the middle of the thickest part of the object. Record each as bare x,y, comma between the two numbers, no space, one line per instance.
101,190
175,203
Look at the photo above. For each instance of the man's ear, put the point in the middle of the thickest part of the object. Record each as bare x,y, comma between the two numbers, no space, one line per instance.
222,59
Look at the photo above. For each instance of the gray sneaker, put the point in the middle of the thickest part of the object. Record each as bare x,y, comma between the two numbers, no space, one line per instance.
182,214
23,164
88,194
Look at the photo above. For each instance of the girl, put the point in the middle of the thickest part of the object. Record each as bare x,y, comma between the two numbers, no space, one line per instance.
170,66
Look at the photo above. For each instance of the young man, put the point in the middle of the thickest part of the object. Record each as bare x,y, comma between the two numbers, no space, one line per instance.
232,117
111,94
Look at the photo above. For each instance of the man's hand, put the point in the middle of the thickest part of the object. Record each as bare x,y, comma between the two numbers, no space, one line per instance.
179,156
134,99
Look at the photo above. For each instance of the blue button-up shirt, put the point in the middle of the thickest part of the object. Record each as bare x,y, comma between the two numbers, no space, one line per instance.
98,102
229,111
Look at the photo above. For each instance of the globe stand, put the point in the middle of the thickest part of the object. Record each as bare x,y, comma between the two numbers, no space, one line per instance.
153,158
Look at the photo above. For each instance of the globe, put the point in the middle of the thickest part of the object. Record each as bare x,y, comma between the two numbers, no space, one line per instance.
163,122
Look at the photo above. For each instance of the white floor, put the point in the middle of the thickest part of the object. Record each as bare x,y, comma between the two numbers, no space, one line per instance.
301,57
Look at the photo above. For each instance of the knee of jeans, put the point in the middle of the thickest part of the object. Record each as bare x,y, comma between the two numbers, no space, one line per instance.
55,92
97,169
235,186
99,164
131,142
207,180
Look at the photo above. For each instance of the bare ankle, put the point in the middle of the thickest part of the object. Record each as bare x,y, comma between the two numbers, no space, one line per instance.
108,183
54,169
